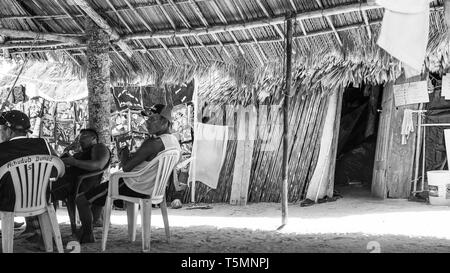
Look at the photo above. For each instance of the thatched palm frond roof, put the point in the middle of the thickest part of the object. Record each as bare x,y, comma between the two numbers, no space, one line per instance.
173,40
58,80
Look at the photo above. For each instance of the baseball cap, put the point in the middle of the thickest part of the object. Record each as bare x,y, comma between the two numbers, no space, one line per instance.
161,109
16,120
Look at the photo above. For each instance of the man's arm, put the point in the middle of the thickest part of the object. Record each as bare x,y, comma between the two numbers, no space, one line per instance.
148,150
99,158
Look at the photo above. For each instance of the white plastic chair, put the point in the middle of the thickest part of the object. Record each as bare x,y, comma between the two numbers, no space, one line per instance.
30,176
165,163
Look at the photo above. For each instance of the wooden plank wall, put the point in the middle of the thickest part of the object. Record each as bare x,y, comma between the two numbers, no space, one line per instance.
306,113
244,155
394,162
400,162
379,188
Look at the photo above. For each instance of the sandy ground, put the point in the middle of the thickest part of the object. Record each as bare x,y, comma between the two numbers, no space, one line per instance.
355,223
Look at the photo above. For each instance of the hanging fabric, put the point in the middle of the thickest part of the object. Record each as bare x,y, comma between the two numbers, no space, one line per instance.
209,150
404,32
407,125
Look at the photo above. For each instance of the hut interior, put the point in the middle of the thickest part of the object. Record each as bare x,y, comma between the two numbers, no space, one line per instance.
357,136
235,51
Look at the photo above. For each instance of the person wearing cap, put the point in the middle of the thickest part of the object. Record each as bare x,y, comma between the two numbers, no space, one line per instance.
158,123
14,129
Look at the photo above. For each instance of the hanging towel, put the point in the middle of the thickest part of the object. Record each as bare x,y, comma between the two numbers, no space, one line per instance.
404,31
209,149
405,6
407,125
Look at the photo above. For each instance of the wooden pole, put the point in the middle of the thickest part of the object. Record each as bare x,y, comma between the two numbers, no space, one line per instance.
194,146
55,126
286,95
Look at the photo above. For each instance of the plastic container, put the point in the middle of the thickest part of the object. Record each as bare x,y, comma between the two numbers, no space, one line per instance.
439,187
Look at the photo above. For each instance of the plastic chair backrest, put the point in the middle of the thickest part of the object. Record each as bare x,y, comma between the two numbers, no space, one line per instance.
30,176
166,161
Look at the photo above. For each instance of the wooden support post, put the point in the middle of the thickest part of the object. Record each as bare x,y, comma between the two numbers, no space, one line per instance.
98,81
196,103
55,126
286,95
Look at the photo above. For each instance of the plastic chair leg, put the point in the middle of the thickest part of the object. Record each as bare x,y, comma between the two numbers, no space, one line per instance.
163,206
106,219
46,229
7,219
132,212
55,229
146,216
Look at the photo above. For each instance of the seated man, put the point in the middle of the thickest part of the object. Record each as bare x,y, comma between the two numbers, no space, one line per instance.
158,124
14,126
94,156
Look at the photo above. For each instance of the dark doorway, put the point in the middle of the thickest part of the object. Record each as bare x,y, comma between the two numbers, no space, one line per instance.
357,140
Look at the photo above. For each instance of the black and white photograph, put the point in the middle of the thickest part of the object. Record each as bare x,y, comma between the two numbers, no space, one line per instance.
221,134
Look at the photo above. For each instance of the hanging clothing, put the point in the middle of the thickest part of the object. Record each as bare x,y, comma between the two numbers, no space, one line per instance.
209,150
407,125
404,32
404,6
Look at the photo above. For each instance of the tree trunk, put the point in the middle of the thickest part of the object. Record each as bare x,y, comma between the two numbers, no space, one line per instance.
98,81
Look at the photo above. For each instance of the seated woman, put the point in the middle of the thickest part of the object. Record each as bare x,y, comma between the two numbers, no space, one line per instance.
158,124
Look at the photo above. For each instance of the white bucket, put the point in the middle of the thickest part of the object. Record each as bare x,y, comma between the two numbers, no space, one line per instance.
439,187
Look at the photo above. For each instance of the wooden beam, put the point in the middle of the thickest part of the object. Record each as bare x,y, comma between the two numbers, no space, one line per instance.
215,36
80,27
41,35
175,60
44,28
330,22
86,7
366,21
168,17
224,20
130,30
286,96
180,14
205,23
38,17
266,12
260,22
245,42
35,45
103,24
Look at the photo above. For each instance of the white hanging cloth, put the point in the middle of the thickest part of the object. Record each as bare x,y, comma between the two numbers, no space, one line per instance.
209,150
407,125
404,31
